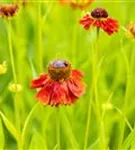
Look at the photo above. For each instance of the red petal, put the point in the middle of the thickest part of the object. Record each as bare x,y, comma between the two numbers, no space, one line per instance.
77,74
59,93
54,93
39,82
44,94
87,21
76,87
109,25
75,84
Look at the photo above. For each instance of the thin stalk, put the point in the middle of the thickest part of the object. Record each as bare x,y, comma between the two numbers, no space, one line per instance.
128,69
88,122
74,42
16,101
39,38
101,131
58,128
129,74
11,51
126,98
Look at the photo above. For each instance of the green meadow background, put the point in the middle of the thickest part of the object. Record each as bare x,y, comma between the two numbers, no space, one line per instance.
44,31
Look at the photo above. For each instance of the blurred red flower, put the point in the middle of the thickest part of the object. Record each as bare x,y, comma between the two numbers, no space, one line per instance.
61,86
8,10
81,4
99,18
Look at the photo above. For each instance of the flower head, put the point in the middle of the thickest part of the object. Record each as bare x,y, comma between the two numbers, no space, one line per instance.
61,85
131,30
8,10
3,67
15,87
81,4
99,18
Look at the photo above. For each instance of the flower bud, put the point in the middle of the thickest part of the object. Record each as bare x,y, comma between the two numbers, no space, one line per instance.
131,30
3,68
15,87
107,106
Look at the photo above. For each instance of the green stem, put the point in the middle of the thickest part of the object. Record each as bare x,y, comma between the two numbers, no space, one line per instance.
11,51
88,123
58,128
74,42
126,98
95,70
39,38
16,105
91,95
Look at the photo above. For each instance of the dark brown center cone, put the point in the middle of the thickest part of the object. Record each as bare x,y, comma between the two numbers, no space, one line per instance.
59,70
99,13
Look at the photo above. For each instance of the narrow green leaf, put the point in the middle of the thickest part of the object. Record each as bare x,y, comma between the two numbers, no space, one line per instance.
55,147
27,121
128,141
37,141
10,127
68,129
2,140
94,145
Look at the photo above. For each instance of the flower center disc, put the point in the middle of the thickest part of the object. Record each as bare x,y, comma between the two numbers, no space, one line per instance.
59,70
59,63
99,13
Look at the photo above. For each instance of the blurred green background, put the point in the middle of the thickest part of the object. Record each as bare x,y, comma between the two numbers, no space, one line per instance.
63,37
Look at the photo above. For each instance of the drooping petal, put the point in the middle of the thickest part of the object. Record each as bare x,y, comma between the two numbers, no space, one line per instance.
111,26
77,74
53,93
75,84
86,21
76,87
44,94
71,98
39,82
59,93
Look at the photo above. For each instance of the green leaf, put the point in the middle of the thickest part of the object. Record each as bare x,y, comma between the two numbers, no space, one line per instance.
2,140
55,147
128,141
68,129
10,127
27,121
94,145
37,141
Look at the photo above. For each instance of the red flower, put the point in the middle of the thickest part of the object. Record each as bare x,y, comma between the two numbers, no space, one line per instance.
100,19
8,10
61,85
81,4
